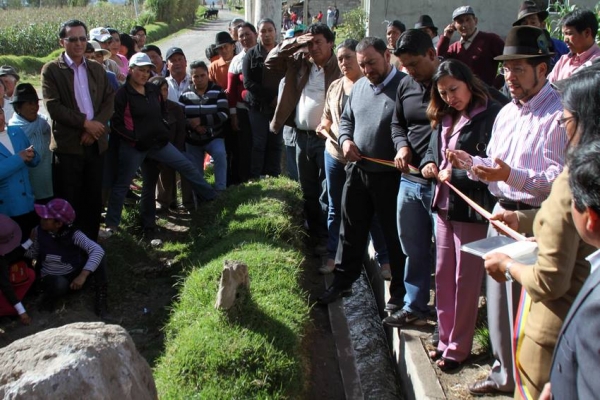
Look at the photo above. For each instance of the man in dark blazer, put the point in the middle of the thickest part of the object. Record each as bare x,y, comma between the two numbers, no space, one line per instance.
574,373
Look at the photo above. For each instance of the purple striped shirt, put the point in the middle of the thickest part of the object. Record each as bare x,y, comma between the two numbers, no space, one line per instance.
529,139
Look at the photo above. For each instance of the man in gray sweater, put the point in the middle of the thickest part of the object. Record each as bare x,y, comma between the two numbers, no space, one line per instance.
370,187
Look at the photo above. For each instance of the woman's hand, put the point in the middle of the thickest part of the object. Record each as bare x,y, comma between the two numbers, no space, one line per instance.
445,175
430,171
27,154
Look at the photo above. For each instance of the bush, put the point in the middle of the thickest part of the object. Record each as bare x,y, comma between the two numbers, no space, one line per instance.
553,22
354,25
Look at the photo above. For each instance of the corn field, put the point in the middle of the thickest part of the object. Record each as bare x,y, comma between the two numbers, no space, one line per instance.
34,31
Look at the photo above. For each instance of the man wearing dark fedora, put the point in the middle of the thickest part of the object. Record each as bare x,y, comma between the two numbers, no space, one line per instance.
475,48
525,155
425,23
579,28
530,14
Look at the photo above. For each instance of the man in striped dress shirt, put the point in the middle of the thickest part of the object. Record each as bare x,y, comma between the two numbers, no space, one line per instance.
525,155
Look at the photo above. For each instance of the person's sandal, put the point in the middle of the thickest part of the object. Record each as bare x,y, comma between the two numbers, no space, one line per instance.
435,355
446,365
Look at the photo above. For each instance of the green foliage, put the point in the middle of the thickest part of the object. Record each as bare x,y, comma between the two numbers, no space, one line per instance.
553,22
173,10
34,32
254,350
354,25
482,338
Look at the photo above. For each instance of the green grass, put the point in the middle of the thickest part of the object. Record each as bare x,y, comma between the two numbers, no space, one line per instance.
254,350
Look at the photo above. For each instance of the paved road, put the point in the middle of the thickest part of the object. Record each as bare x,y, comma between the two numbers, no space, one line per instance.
194,41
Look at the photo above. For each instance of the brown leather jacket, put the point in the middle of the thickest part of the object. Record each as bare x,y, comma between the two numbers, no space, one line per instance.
285,58
59,100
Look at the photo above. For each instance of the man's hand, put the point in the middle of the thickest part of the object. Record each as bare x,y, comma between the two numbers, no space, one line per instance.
87,139
94,128
234,122
430,171
80,280
449,30
403,159
495,266
445,175
459,159
303,40
350,151
500,172
508,218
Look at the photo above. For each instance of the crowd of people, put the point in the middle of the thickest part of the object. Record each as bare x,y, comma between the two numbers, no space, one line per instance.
383,134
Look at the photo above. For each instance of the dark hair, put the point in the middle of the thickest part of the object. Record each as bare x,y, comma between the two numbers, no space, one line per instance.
198,64
414,42
535,61
113,31
62,33
581,97
129,43
151,47
321,29
581,20
375,42
211,51
584,175
398,25
249,26
158,81
349,44
267,21
438,108
136,29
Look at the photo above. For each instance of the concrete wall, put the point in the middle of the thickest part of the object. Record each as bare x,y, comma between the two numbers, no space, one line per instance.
493,15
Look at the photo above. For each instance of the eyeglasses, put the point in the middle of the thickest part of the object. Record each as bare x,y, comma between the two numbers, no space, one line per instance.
73,39
518,71
562,122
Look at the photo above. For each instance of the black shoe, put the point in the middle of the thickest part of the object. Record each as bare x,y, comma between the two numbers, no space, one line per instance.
435,338
402,318
393,307
334,293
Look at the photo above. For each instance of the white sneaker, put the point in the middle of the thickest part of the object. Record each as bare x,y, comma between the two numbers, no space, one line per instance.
104,234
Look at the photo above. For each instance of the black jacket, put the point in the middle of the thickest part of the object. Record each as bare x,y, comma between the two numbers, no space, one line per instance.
262,86
473,139
140,119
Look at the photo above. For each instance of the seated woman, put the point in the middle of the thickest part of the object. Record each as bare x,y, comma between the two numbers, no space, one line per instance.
36,128
463,113
14,284
16,195
67,256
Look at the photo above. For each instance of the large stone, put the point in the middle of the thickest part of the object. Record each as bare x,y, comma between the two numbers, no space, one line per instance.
234,277
77,361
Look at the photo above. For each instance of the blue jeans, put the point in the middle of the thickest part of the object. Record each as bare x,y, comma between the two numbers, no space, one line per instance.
310,157
216,149
335,175
415,228
130,160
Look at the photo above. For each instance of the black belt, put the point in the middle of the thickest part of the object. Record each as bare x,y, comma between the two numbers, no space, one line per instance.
314,133
515,205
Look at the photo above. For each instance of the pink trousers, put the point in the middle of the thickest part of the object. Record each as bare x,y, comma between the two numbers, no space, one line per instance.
458,278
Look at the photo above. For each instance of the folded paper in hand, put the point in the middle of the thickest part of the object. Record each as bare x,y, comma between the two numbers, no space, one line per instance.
522,251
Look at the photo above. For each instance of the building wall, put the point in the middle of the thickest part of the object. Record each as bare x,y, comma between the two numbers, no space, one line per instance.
493,15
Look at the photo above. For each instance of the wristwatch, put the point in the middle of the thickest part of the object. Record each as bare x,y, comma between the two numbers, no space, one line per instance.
507,274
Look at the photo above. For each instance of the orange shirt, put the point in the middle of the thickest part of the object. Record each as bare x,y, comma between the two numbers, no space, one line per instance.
217,72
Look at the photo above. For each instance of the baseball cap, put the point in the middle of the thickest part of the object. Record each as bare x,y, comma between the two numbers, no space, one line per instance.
462,10
100,34
8,70
289,34
140,60
58,209
97,49
172,51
